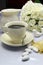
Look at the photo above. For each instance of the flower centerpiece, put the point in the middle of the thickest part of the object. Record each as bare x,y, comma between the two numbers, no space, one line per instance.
32,13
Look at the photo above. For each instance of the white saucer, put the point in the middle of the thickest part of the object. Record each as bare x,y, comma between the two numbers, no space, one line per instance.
7,40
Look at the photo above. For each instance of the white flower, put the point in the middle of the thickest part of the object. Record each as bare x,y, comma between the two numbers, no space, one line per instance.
31,12
27,18
33,9
26,9
32,22
41,14
35,14
40,23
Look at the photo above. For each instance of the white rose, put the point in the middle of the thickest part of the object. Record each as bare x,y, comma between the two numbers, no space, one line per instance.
36,11
26,9
41,15
40,23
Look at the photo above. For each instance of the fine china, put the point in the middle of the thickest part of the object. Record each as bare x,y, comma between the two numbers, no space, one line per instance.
8,41
9,12
9,15
18,32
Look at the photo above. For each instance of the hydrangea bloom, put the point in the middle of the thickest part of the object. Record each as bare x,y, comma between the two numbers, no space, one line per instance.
31,8
31,11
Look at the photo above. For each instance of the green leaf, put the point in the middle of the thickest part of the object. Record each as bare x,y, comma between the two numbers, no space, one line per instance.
38,1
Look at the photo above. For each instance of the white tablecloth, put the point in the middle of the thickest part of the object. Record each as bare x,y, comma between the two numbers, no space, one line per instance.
12,55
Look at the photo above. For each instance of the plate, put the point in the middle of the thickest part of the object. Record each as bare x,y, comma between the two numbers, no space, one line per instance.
7,40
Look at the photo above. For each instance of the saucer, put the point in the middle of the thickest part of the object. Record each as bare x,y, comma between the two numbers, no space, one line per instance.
7,40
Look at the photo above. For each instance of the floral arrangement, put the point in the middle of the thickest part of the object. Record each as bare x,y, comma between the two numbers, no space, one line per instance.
32,13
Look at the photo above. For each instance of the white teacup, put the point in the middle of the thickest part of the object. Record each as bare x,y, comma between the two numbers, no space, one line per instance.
17,34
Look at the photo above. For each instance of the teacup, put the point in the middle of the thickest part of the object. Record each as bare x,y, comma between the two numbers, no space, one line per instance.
16,30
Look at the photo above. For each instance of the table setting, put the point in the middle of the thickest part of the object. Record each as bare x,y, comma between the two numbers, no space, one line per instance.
21,35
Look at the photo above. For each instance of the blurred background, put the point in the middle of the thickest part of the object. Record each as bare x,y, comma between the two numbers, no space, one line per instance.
14,3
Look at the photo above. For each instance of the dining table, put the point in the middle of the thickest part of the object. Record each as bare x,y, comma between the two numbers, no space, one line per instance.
12,55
